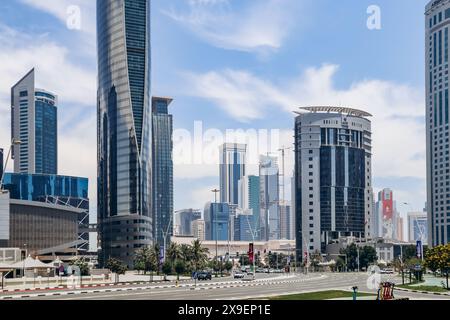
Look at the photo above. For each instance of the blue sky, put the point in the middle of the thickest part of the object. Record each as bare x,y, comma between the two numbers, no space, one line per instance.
238,64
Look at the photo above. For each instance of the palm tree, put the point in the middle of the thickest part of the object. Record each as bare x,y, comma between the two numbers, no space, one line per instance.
199,254
155,258
173,253
143,259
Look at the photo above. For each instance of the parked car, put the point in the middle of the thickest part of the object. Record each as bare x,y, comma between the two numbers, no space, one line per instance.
204,275
387,271
239,275
260,270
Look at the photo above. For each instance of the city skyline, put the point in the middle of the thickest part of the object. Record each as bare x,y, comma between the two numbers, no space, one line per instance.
224,149
266,70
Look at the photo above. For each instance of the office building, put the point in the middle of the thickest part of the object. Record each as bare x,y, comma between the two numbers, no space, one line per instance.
333,176
198,229
183,221
217,221
418,227
249,199
124,120
399,235
162,147
232,169
34,123
285,220
244,226
386,215
269,198
437,17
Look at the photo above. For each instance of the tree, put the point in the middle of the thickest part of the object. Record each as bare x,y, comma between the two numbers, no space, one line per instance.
199,255
173,253
228,266
352,256
186,256
438,258
143,260
367,256
155,254
166,269
83,265
180,268
116,266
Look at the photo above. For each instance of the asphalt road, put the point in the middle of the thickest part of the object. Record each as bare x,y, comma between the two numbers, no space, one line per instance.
225,289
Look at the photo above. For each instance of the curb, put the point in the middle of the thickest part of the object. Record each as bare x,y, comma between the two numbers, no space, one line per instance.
90,286
202,286
423,292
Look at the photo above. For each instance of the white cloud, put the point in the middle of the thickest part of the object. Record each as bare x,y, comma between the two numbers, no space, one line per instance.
398,129
239,25
61,10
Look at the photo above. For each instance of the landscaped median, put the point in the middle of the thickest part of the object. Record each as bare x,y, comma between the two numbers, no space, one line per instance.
322,295
424,289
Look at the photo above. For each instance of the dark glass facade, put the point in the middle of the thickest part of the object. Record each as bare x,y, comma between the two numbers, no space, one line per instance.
124,128
46,139
162,147
333,177
217,221
47,188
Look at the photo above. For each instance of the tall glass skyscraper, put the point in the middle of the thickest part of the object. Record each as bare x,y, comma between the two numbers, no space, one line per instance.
437,27
124,128
333,176
249,199
162,147
269,179
232,169
34,122
217,221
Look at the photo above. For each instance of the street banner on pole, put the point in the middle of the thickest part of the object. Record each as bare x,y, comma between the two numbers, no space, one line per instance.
251,253
419,249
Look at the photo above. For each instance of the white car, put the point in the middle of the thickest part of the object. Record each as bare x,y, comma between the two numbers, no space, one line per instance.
239,275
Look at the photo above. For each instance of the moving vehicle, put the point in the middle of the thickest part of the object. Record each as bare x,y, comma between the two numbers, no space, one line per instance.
239,275
204,275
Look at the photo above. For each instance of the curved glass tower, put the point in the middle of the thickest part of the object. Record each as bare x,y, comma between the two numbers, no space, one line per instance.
124,128
333,177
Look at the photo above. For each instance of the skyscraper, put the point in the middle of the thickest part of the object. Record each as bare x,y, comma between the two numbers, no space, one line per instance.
385,215
249,198
162,147
437,17
399,235
285,220
417,227
269,198
184,219
124,128
333,176
34,123
232,169
217,221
